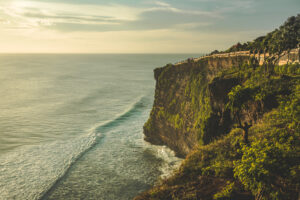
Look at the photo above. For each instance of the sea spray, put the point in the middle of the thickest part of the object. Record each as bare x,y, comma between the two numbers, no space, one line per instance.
170,161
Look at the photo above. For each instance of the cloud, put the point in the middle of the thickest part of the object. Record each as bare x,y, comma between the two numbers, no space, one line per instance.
22,14
160,3
30,14
34,15
127,26
162,6
225,6
83,19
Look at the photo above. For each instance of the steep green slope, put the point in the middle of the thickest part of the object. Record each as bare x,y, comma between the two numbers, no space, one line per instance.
268,167
237,122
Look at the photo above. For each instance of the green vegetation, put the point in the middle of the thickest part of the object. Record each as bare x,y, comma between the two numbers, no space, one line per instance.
285,38
176,110
198,102
269,166
291,69
255,153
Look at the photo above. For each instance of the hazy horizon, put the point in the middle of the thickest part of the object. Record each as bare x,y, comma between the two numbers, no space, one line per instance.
130,27
96,53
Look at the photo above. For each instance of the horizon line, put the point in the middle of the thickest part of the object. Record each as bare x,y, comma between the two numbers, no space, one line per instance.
69,53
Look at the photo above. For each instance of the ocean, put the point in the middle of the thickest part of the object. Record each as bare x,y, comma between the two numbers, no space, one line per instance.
71,126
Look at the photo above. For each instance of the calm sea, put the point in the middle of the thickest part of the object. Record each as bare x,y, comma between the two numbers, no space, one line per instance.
71,126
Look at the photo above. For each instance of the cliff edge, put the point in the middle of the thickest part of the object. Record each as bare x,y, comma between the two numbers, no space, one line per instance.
185,112
235,117
190,100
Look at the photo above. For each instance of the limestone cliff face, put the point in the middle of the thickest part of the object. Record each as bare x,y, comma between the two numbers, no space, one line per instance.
189,107
190,97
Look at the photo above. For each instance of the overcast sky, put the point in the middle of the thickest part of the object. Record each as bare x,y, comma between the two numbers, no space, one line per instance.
136,26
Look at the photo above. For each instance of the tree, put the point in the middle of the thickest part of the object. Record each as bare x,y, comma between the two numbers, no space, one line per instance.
245,128
285,38
238,97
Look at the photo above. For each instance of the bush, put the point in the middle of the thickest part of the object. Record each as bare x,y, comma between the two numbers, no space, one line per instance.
270,166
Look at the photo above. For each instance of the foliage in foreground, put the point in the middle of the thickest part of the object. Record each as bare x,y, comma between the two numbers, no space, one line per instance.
270,167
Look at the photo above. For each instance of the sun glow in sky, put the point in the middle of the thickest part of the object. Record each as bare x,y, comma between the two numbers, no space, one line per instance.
136,26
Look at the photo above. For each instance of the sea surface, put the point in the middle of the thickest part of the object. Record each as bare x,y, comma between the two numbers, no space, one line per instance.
71,126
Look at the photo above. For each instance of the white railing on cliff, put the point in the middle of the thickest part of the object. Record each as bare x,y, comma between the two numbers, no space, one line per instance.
293,56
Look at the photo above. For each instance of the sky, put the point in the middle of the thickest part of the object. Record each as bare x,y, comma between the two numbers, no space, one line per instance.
136,26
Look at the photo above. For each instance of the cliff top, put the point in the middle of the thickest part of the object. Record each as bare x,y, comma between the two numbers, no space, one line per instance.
293,53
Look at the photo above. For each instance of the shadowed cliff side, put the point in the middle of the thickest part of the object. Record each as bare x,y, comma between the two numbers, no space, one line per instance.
183,113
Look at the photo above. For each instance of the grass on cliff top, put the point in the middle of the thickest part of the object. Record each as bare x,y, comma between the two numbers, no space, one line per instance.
268,167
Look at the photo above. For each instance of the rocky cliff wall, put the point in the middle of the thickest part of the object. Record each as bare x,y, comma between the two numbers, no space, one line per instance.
186,108
189,107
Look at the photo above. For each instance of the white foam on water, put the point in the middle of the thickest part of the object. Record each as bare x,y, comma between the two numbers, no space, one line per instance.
30,171
170,161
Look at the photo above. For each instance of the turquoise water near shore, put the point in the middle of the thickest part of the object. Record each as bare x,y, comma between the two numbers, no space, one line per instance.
71,126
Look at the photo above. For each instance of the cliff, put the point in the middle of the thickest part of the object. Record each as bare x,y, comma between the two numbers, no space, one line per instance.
182,115
235,117
190,100
205,108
